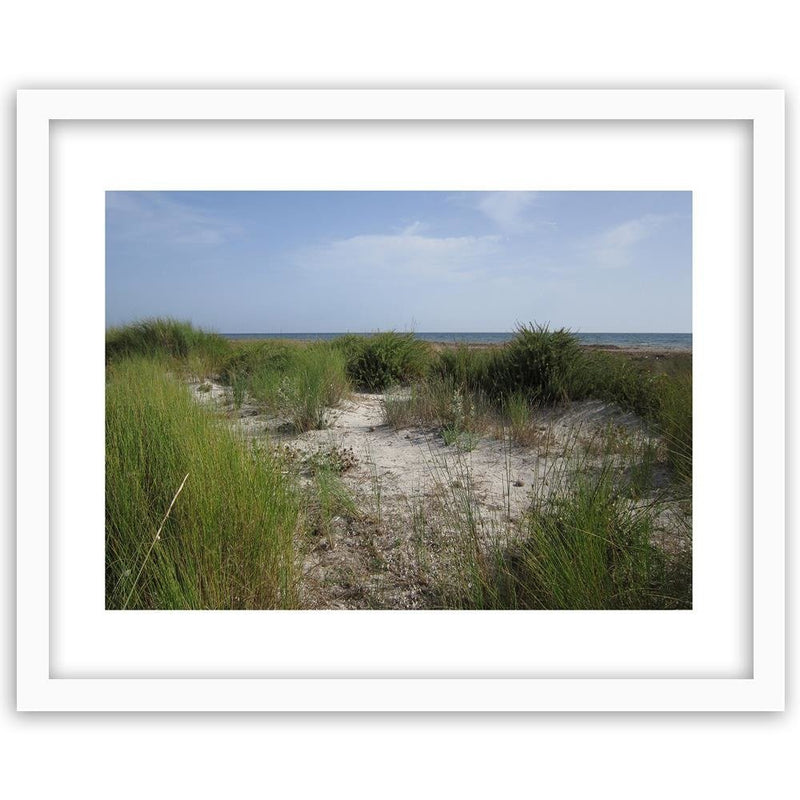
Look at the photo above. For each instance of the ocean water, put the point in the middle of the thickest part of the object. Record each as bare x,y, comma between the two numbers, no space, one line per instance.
654,341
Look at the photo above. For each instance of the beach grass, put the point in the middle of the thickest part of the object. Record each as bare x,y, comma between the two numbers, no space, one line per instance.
586,542
227,540
539,368
197,518
300,383
199,351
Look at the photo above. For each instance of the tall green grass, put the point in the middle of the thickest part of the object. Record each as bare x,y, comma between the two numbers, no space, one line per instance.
247,357
201,350
227,541
585,543
587,548
469,367
299,382
543,367
675,421
659,393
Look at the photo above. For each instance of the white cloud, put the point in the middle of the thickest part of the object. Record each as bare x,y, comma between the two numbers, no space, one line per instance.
407,253
415,228
510,211
136,216
615,247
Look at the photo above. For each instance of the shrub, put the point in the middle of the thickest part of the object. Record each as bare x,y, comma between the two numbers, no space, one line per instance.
546,366
383,359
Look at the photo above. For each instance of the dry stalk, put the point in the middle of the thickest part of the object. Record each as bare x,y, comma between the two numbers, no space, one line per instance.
155,539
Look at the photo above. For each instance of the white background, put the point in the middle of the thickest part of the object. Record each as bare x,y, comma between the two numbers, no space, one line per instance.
611,44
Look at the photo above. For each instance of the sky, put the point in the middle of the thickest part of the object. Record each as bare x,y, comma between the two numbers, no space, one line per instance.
313,262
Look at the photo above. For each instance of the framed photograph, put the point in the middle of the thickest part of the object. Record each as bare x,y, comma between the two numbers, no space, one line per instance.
400,400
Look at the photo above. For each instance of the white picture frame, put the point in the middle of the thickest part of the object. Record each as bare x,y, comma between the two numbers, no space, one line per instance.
46,298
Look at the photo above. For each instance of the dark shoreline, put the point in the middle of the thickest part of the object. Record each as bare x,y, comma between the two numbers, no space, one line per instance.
641,351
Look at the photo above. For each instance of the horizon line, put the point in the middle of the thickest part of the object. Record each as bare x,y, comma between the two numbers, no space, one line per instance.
379,330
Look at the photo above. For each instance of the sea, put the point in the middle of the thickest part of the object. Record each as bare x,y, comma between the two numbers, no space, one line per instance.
654,341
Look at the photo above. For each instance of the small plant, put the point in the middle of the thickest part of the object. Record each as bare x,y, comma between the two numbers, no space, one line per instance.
438,402
400,408
334,459
329,501
517,409
238,389
462,421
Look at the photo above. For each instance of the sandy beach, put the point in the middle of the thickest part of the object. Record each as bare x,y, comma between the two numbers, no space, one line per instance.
406,481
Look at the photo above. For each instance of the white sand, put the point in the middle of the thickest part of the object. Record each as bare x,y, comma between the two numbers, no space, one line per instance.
403,479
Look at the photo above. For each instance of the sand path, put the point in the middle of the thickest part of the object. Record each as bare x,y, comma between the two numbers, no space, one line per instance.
406,482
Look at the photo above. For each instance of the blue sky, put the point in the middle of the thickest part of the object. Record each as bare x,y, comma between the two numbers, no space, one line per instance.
283,262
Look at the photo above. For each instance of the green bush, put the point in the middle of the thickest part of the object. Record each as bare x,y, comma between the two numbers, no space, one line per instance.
546,366
542,365
381,360
617,379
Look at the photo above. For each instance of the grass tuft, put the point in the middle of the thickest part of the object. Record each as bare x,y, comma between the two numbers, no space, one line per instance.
200,351
300,383
227,541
